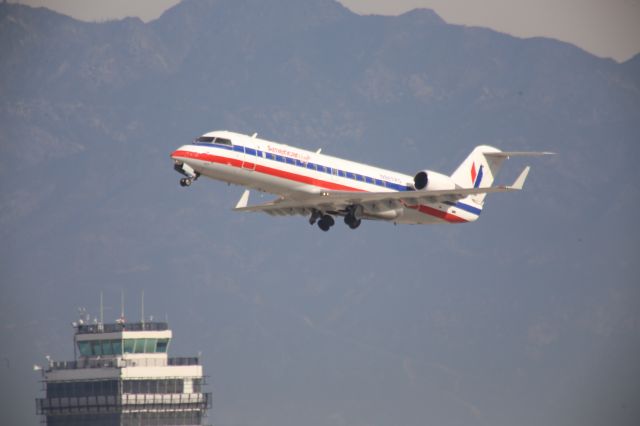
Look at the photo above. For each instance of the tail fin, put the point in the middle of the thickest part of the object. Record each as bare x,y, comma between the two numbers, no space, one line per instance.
479,170
481,167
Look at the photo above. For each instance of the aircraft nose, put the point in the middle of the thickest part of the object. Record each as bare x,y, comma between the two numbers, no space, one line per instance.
177,153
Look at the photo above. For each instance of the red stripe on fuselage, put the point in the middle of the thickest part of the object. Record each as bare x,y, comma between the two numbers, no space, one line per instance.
437,213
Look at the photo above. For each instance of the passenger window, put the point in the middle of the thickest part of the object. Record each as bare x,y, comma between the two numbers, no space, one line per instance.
350,175
311,166
341,173
320,168
359,177
290,160
269,156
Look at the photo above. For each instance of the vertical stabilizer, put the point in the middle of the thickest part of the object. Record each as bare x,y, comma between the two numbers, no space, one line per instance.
478,171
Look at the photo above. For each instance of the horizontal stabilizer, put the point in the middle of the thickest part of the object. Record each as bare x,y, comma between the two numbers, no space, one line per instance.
507,154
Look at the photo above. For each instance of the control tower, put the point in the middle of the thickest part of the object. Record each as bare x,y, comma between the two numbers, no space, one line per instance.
122,375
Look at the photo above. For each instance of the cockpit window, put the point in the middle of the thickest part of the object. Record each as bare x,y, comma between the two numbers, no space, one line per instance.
206,139
212,139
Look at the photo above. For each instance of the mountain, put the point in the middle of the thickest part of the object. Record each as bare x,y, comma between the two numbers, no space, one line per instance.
528,316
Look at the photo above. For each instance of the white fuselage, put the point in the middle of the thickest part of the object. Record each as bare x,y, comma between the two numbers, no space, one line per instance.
288,171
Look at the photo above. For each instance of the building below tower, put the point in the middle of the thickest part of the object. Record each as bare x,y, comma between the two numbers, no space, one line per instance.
122,375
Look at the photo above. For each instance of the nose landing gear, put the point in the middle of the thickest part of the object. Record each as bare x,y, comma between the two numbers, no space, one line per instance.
187,171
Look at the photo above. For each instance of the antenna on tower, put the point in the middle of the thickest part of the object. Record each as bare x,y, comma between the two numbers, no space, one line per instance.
121,319
142,309
101,309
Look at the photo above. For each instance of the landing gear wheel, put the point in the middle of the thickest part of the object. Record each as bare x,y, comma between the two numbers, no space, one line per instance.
353,216
352,222
185,182
326,222
315,215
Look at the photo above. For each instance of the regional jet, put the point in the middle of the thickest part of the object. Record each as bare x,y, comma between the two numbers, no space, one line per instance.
323,187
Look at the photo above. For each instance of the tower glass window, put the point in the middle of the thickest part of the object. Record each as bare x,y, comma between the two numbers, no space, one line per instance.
162,345
150,346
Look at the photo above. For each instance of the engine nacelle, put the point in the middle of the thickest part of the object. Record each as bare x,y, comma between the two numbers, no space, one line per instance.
428,180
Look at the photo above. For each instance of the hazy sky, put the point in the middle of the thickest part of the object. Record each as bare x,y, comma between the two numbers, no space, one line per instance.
608,28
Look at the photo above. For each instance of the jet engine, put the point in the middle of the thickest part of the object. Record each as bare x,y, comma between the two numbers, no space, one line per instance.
426,180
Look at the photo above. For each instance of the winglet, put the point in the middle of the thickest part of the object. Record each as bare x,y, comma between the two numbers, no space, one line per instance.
519,182
244,200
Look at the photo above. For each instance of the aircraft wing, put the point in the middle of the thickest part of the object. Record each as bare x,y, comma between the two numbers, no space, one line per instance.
285,206
339,200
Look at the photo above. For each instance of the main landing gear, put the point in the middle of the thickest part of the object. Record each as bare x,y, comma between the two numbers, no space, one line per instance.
352,218
326,221
352,222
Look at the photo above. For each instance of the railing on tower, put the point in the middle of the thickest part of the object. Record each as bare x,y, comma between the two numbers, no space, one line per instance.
122,363
117,327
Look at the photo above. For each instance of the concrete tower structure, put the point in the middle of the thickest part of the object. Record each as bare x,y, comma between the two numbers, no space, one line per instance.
122,375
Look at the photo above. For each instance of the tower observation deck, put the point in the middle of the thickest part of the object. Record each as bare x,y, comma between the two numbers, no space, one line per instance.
122,375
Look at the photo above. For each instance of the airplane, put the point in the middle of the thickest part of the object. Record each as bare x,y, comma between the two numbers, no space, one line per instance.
323,187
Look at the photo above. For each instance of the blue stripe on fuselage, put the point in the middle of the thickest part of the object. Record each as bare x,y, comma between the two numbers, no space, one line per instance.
465,207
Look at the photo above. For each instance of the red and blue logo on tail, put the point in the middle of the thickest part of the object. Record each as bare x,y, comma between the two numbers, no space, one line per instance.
476,178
